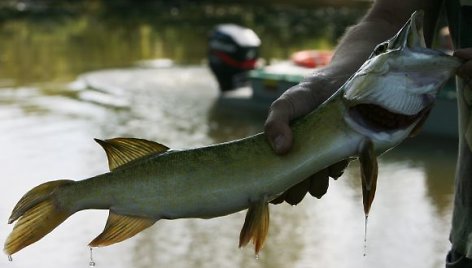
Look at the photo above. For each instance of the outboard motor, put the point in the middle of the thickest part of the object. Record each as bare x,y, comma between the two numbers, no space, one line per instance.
233,52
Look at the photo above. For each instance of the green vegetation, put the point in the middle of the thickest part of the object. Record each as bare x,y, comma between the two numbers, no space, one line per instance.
57,40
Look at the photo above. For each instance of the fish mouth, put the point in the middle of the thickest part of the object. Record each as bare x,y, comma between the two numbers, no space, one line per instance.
379,119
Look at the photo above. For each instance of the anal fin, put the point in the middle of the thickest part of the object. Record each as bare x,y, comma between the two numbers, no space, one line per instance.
119,228
256,225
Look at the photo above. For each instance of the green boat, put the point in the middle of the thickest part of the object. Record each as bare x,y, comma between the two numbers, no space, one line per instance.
245,87
268,83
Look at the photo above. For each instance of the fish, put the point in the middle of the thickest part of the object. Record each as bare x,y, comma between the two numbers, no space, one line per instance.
380,105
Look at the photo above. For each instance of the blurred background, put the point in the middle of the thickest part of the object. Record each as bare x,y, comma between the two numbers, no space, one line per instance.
71,71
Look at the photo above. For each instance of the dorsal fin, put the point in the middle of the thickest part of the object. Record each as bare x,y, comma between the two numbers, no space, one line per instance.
124,150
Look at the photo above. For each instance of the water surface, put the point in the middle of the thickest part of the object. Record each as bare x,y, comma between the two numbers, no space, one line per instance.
63,84
47,134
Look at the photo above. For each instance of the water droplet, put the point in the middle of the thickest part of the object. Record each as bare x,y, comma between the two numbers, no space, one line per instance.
257,256
92,262
10,258
365,235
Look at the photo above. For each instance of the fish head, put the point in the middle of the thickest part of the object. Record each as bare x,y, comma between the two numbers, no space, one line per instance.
393,91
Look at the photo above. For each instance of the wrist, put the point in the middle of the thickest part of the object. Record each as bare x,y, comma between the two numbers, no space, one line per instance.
324,82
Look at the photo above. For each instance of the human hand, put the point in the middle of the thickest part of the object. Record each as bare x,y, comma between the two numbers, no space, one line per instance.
317,184
296,102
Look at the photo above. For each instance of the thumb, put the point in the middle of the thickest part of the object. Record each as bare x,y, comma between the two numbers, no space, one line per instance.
297,101
277,127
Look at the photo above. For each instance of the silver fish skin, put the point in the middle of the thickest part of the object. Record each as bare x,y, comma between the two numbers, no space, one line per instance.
375,110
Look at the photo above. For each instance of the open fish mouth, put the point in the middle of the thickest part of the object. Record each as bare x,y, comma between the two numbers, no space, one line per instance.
377,118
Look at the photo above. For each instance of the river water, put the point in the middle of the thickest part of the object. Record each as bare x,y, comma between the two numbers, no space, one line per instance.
48,134
48,121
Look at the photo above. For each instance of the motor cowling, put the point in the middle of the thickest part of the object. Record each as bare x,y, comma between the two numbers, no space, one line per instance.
233,51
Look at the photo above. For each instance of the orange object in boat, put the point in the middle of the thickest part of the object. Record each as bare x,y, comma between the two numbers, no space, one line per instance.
312,58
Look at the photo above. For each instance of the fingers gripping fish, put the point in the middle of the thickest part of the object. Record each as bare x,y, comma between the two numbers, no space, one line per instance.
382,104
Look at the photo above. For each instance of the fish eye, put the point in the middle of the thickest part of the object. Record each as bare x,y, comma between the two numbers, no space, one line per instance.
381,48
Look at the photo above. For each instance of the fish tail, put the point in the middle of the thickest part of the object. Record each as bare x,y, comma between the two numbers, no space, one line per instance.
37,213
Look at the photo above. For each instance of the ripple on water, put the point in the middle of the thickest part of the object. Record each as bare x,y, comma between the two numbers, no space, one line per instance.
49,136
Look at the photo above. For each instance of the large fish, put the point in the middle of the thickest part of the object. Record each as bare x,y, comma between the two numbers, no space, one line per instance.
376,109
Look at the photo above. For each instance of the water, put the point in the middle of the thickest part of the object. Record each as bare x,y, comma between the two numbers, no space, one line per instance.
92,263
48,135
365,234
49,117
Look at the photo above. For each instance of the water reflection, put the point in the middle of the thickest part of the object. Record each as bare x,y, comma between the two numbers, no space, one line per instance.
435,157
60,44
48,136
230,122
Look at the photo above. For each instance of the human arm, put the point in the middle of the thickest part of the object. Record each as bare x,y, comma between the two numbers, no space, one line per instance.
380,23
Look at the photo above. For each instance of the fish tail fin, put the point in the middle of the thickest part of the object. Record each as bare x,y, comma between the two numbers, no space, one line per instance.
37,214
256,226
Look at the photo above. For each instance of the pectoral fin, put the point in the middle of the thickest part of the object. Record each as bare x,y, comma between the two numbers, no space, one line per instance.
369,173
256,226
119,228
